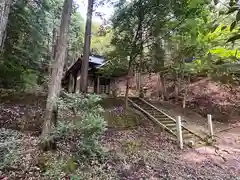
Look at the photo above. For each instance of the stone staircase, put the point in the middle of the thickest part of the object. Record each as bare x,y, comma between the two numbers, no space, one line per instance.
166,121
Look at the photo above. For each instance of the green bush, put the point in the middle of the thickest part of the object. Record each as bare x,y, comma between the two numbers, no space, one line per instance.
88,124
84,131
82,104
9,147
57,168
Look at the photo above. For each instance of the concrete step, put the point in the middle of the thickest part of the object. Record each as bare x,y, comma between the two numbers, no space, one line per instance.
174,129
150,110
169,125
160,114
153,112
199,144
188,136
165,120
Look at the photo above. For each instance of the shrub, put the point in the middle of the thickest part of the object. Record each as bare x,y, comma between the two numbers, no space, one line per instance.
58,168
9,147
88,124
82,104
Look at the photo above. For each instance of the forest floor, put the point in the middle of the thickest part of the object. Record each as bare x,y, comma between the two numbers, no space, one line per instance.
136,148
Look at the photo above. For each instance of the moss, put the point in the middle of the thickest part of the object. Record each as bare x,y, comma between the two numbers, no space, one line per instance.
41,162
70,165
131,147
127,119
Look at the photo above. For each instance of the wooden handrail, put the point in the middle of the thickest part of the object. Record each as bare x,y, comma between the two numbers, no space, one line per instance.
152,117
169,117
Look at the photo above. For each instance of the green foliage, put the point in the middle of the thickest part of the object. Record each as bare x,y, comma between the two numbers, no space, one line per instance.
9,147
63,129
84,130
76,35
178,24
54,169
28,44
7,156
57,168
83,104
88,125
24,46
183,30
101,40
234,38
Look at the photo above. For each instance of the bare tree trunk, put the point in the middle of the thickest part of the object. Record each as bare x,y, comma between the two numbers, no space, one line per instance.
138,33
162,92
53,53
55,83
138,75
141,18
127,91
137,80
86,49
127,83
186,92
4,12
177,85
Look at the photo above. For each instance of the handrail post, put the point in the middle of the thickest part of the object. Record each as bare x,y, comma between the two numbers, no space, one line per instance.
179,131
210,125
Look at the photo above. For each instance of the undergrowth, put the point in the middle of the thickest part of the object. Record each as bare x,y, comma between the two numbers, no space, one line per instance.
9,147
82,132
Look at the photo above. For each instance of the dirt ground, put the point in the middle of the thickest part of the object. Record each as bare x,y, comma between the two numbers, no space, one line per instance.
227,134
139,151
158,157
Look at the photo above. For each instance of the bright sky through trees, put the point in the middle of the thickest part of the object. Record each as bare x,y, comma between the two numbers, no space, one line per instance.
83,10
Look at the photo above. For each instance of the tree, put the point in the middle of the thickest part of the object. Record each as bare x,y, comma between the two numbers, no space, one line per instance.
154,22
127,38
101,39
4,11
86,49
55,85
24,50
32,30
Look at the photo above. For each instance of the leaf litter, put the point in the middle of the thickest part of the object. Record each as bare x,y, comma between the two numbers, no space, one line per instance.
144,152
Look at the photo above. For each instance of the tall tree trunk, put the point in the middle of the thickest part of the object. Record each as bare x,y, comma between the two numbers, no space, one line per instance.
55,82
53,51
141,29
138,34
177,85
86,49
127,92
4,11
137,80
129,74
162,90
138,75
186,91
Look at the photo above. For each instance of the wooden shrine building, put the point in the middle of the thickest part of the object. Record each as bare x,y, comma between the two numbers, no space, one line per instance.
97,82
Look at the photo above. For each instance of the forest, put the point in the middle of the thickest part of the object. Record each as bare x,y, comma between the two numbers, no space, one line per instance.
164,59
